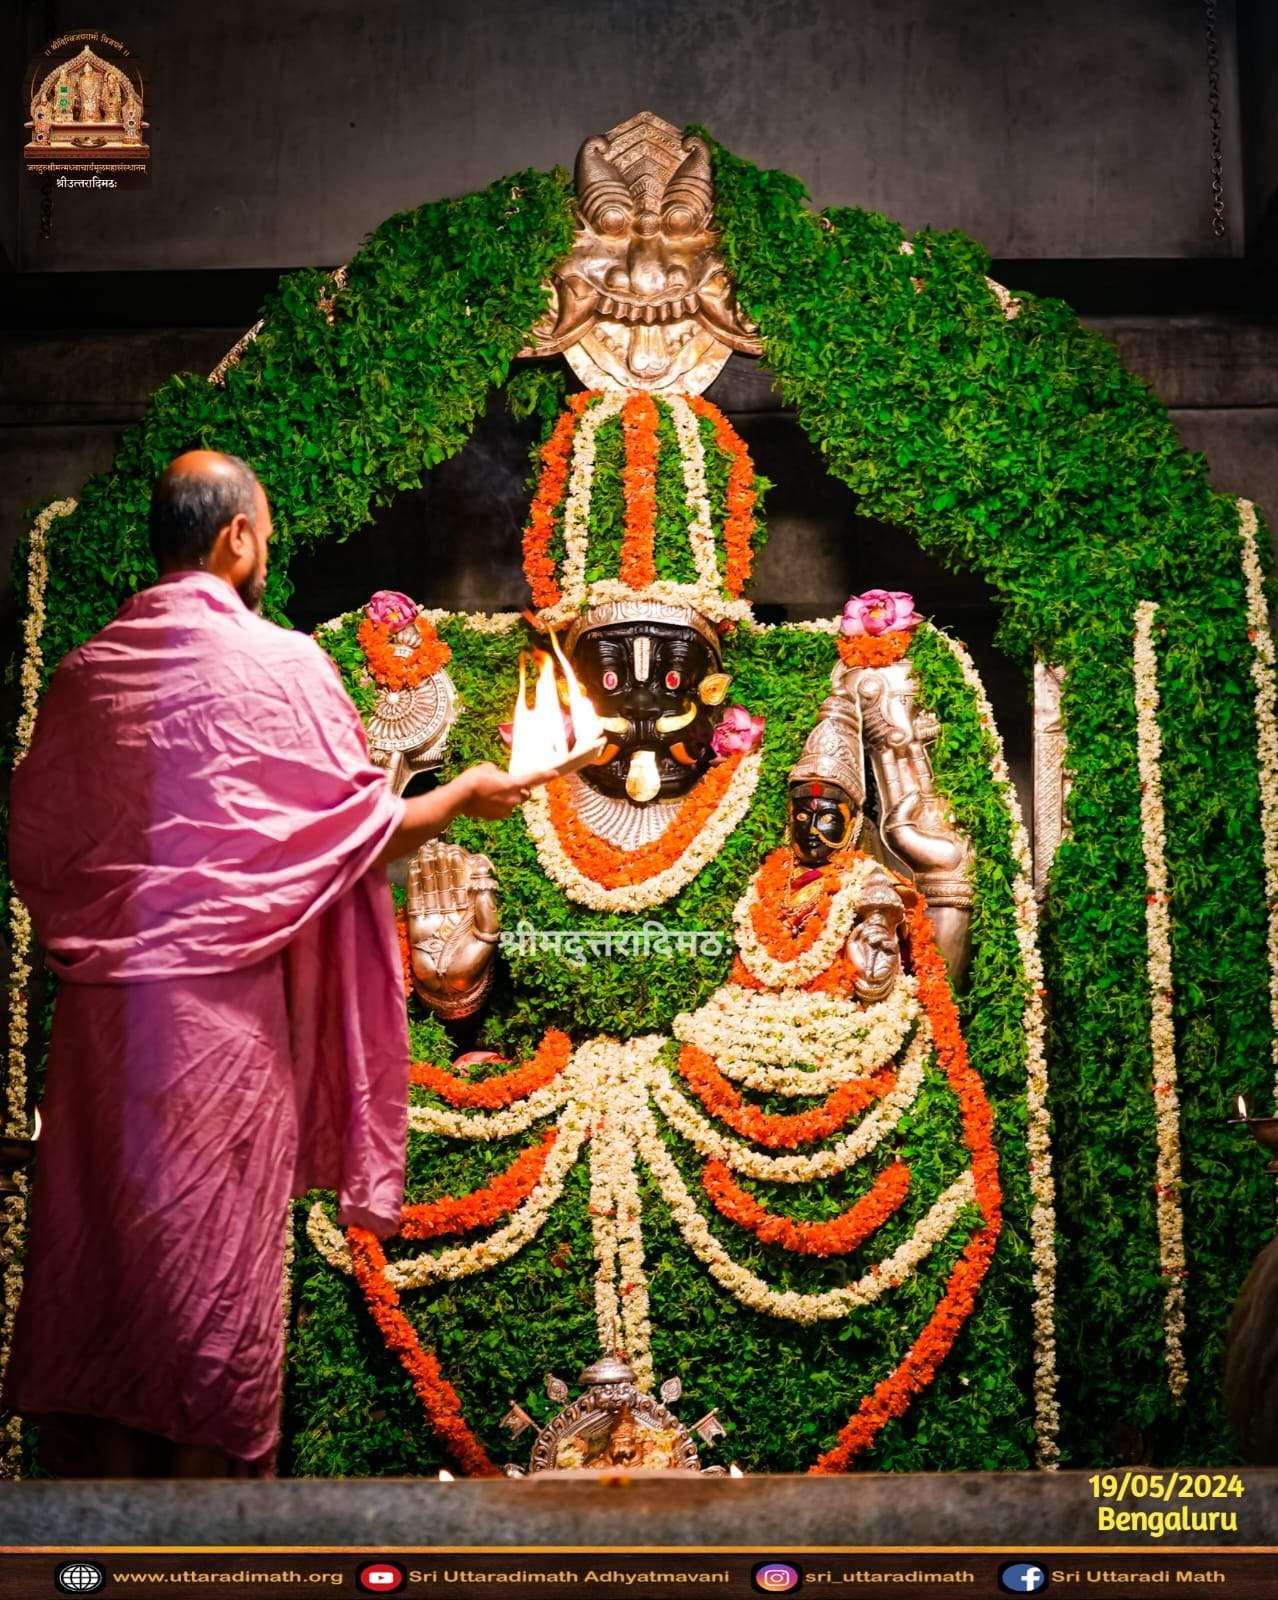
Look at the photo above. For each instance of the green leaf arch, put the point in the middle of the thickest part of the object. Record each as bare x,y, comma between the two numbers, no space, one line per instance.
1017,447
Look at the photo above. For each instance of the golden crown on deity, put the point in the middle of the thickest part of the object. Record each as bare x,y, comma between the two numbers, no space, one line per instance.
646,503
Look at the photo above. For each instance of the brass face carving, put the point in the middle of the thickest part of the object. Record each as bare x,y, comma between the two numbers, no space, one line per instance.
644,301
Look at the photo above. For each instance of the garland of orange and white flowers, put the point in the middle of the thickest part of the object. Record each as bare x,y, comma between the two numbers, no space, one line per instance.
812,958
674,873
560,601
798,1043
1038,1129
1162,1035
710,1141
13,1227
522,1226
576,530
1262,675
750,1290
611,1086
739,523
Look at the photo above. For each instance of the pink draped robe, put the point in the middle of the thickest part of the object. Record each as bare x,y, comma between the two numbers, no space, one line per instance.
195,831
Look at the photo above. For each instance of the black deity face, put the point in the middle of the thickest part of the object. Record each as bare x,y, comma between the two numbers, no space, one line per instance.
643,678
822,820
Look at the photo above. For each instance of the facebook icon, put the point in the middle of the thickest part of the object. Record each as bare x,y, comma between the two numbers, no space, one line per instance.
1021,1577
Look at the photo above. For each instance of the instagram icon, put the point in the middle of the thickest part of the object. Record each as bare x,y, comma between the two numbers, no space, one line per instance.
776,1577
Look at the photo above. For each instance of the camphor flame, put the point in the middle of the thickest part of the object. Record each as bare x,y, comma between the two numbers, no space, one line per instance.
587,730
539,739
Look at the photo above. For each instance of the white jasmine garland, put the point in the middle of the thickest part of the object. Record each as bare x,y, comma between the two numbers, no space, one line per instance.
581,474
663,885
712,603
476,621
1038,1131
14,1209
286,1288
796,1043
1162,1035
687,1120
813,625
693,457
621,1283
764,966
1262,675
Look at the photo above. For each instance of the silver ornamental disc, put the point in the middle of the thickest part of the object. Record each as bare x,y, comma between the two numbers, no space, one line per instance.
412,719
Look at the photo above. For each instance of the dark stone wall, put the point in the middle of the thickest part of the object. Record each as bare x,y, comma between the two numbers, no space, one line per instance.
283,132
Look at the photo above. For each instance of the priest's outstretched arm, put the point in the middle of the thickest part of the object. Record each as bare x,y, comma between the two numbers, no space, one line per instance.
484,791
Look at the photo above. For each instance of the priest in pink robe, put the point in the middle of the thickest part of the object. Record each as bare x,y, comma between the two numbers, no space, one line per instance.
201,839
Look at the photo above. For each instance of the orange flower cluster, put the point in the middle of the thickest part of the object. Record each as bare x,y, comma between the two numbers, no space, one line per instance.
869,650
438,1397
490,1094
833,1238
482,1207
892,1397
552,485
611,866
405,957
639,483
774,927
778,1132
401,672
738,527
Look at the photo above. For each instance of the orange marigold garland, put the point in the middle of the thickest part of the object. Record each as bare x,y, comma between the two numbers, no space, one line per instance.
835,1237
739,524
402,672
892,1397
552,485
482,1207
638,566
405,954
490,1094
613,867
438,1397
786,938
778,1132
871,650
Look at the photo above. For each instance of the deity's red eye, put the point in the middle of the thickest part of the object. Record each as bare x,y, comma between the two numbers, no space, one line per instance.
672,680
610,680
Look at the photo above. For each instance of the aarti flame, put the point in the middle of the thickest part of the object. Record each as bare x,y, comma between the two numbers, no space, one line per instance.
539,738
1242,1108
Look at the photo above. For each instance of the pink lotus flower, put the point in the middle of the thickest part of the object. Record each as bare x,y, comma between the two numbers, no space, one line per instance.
738,733
391,608
880,611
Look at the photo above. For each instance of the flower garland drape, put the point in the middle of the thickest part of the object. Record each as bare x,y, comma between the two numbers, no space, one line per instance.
13,1228
1162,1033
1262,673
1033,1024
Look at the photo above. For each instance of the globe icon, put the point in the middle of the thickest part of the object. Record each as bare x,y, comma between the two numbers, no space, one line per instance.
80,1577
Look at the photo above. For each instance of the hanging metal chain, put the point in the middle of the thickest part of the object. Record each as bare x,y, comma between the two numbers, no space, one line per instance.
1213,101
